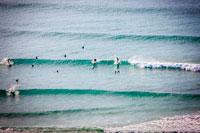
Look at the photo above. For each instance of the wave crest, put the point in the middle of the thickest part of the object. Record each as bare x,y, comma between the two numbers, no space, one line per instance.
135,63
165,65
29,92
76,35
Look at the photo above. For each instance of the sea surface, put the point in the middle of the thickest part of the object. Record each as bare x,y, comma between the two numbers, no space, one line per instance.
157,42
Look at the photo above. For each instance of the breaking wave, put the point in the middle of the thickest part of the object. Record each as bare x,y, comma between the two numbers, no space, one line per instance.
135,63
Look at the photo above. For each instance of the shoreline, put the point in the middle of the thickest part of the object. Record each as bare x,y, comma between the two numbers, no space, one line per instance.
183,123
48,129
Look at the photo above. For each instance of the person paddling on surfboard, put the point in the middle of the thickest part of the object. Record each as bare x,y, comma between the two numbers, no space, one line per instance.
116,63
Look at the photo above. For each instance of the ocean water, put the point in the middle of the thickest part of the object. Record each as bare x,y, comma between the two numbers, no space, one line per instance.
157,41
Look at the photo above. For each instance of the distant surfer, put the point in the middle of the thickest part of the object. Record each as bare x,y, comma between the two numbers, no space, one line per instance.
36,57
57,71
32,65
116,63
9,62
83,47
12,91
65,56
17,80
94,63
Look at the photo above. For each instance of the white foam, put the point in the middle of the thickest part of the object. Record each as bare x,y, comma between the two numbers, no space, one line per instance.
4,61
185,123
166,65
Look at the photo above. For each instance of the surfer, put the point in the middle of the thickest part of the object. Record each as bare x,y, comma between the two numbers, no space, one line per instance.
116,63
9,62
83,47
12,91
94,61
36,57
57,71
32,65
65,55
17,80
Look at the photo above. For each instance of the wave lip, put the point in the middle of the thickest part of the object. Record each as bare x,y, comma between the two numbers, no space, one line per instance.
160,65
50,61
67,61
157,37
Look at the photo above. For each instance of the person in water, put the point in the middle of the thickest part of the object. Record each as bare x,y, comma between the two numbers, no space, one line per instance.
9,63
12,90
65,55
83,47
94,61
116,63
36,57
32,65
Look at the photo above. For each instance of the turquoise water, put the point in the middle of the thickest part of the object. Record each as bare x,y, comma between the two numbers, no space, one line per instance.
158,43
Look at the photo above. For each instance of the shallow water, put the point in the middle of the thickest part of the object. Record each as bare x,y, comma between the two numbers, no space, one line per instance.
158,43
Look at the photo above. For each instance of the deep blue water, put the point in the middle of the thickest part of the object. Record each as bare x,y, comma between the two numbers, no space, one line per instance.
157,41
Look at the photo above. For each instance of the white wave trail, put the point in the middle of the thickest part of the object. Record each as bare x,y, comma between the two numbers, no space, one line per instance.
5,61
167,65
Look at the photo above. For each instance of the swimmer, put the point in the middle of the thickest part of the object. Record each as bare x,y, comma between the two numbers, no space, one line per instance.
17,80
83,47
65,55
32,65
36,57
94,61
57,71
